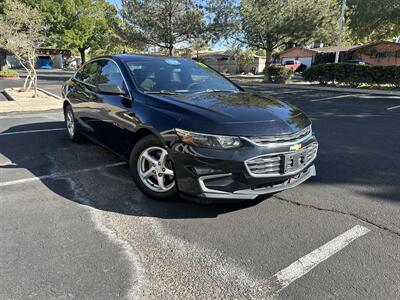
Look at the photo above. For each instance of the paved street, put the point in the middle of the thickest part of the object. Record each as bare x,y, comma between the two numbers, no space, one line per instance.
74,225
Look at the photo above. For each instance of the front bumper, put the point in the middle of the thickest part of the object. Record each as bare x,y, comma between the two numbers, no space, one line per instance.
250,193
234,174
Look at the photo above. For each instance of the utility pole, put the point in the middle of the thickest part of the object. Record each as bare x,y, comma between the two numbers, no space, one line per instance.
341,23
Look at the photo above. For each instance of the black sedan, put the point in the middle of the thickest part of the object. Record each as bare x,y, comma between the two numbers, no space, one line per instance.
185,129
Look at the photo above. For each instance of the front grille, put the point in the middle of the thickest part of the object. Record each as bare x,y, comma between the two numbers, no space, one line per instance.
268,165
280,164
290,137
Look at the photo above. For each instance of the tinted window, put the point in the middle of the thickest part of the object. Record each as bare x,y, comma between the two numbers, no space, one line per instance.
176,75
88,73
109,73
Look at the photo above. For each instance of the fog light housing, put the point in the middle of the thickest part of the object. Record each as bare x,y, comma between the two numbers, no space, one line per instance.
204,171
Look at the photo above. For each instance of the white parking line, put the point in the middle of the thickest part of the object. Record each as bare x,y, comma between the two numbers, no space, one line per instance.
393,107
267,92
31,131
308,262
249,86
292,92
47,115
59,175
337,97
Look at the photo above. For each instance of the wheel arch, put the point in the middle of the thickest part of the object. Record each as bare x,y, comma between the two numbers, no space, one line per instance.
141,133
65,104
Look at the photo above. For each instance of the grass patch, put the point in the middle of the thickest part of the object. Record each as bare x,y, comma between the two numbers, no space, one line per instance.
9,73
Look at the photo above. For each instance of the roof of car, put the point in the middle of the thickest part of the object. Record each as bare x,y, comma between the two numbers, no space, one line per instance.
133,57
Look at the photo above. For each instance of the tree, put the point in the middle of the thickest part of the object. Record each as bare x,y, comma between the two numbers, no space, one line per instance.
373,20
21,33
200,44
272,24
88,24
223,19
52,14
167,23
245,59
126,39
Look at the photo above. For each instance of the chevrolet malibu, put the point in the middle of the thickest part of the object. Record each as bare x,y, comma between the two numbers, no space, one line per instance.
187,130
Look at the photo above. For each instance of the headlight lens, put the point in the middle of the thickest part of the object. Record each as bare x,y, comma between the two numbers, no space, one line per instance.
208,140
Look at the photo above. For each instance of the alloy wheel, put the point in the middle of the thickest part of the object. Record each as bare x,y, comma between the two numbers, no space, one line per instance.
70,123
155,170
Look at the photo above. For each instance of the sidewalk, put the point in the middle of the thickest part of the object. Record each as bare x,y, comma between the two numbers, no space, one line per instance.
24,103
304,85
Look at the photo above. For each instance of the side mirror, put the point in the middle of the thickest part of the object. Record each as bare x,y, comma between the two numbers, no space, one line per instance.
110,89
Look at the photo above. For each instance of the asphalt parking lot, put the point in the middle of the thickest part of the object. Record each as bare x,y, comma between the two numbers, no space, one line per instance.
74,225
50,80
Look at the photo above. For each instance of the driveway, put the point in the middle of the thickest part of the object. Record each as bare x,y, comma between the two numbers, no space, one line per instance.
74,225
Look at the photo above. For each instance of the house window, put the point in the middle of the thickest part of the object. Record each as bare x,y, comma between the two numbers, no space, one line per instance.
385,54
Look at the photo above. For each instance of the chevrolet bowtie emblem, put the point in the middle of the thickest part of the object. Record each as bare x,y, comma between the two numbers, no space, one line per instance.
295,147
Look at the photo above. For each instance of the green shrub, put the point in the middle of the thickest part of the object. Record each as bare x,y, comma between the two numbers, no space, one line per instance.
353,75
245,61
322,73
279,74
8,73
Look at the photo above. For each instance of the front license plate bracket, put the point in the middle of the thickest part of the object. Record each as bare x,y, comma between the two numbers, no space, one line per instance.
294,161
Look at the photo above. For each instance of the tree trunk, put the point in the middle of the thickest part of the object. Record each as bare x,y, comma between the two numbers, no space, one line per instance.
26,79
82,53
171,50
268,56
34,80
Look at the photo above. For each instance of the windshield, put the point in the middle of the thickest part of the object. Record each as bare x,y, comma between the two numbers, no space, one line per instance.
163,75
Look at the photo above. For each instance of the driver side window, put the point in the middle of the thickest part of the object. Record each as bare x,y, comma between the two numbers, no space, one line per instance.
88,73
110,74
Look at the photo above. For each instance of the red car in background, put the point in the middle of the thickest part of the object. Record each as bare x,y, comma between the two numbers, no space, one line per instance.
292,64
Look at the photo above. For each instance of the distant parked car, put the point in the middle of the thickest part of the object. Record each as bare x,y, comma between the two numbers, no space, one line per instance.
292,64
356,62
44,62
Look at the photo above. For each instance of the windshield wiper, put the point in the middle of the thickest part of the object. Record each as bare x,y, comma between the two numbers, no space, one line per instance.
162,92
215,91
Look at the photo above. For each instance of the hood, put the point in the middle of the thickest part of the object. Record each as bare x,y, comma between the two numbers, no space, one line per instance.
236,113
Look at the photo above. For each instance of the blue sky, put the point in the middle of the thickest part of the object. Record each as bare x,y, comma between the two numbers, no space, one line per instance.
118,2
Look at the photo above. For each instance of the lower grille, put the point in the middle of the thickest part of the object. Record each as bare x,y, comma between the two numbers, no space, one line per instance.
280,164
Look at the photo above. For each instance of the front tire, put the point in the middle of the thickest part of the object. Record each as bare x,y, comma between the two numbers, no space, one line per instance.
152,170
70,123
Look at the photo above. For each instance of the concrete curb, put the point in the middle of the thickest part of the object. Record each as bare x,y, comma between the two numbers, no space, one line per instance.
7,95
29,104
49,93
325,88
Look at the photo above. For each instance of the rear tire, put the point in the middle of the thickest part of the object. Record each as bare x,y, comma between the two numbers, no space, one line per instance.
70,123
152,170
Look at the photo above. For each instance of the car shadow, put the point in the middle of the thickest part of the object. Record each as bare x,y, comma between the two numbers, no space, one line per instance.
72,172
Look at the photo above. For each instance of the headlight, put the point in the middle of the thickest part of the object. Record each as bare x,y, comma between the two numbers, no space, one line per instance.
208,140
